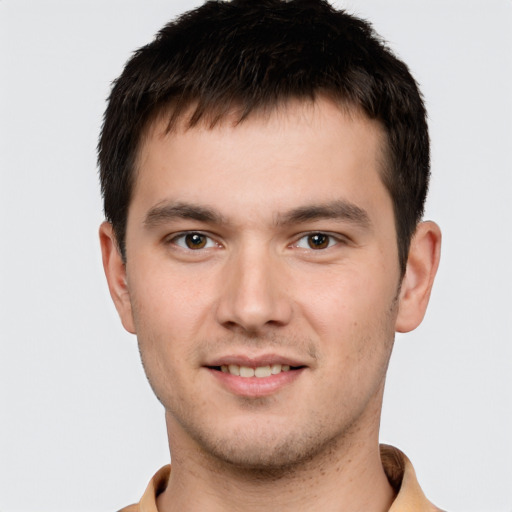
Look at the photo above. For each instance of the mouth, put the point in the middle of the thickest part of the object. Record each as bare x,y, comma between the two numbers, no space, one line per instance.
254,378
258,372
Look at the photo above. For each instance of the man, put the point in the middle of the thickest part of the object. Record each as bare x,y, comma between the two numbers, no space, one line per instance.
264,167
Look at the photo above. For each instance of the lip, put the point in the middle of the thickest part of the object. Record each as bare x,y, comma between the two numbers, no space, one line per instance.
254,362
255,387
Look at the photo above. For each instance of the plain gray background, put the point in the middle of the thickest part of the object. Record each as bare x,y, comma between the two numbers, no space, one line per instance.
80,429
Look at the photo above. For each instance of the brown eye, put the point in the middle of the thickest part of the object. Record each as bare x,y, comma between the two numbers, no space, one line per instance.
318,241
195,241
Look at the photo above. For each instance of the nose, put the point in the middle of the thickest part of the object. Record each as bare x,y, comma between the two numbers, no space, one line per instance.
254,293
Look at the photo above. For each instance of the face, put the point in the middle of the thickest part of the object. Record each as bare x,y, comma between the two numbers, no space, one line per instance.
262,281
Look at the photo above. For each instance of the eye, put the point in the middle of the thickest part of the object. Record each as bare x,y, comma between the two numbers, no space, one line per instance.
193,241
316,241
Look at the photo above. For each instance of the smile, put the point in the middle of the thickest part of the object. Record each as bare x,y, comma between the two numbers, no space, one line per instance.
257,377
258,372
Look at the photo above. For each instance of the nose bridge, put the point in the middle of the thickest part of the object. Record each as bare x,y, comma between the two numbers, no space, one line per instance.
254,290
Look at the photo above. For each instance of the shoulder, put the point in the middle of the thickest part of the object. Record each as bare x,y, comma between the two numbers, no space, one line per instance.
156,485
402,477
130,508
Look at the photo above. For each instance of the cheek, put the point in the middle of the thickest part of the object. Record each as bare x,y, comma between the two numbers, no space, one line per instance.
162,339
354,320
162,318
168,298
347,298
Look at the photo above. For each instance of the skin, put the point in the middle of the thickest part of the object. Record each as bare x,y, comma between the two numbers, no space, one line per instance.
255,288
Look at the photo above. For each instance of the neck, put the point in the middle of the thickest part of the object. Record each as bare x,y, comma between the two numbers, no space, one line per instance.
346,476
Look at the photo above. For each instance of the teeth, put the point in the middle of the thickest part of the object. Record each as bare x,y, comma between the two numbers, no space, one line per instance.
275,369
234,369
259,372
263,371
245,371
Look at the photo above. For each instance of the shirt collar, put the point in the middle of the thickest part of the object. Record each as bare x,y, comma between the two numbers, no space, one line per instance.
397,466
402,477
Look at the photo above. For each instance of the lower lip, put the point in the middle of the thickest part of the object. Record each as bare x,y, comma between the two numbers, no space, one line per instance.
255,387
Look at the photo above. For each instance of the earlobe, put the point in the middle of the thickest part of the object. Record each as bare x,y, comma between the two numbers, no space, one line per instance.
115,272
422,264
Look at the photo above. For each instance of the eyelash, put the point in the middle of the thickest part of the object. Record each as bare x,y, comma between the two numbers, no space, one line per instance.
331,240
209,243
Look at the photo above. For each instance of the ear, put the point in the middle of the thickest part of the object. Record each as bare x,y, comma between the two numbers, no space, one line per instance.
421,269
115,271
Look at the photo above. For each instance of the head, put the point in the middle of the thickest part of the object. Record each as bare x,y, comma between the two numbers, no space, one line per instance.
264,166
241,57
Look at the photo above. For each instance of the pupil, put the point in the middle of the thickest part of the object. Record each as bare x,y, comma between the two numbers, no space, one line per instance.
318,241
195,241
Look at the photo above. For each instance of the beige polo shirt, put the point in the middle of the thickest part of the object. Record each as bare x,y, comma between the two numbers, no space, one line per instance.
398,468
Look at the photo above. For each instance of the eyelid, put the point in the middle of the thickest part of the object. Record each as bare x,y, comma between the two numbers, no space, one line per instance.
335,239
210,244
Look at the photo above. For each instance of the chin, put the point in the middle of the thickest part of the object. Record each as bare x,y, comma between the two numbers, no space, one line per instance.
264,449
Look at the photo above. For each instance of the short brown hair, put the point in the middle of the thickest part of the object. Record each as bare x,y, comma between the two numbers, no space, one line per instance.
254,55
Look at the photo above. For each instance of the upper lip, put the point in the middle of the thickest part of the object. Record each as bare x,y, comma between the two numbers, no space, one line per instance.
254,361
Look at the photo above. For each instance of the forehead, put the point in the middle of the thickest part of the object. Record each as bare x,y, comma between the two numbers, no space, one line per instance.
316,149
176,118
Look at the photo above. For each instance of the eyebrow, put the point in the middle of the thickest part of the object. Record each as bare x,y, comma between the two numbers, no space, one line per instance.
168,211
336,210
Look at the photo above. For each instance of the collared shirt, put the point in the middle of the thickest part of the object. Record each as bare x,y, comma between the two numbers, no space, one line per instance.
397,466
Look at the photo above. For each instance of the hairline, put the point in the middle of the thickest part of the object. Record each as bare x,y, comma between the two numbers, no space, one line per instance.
183,118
